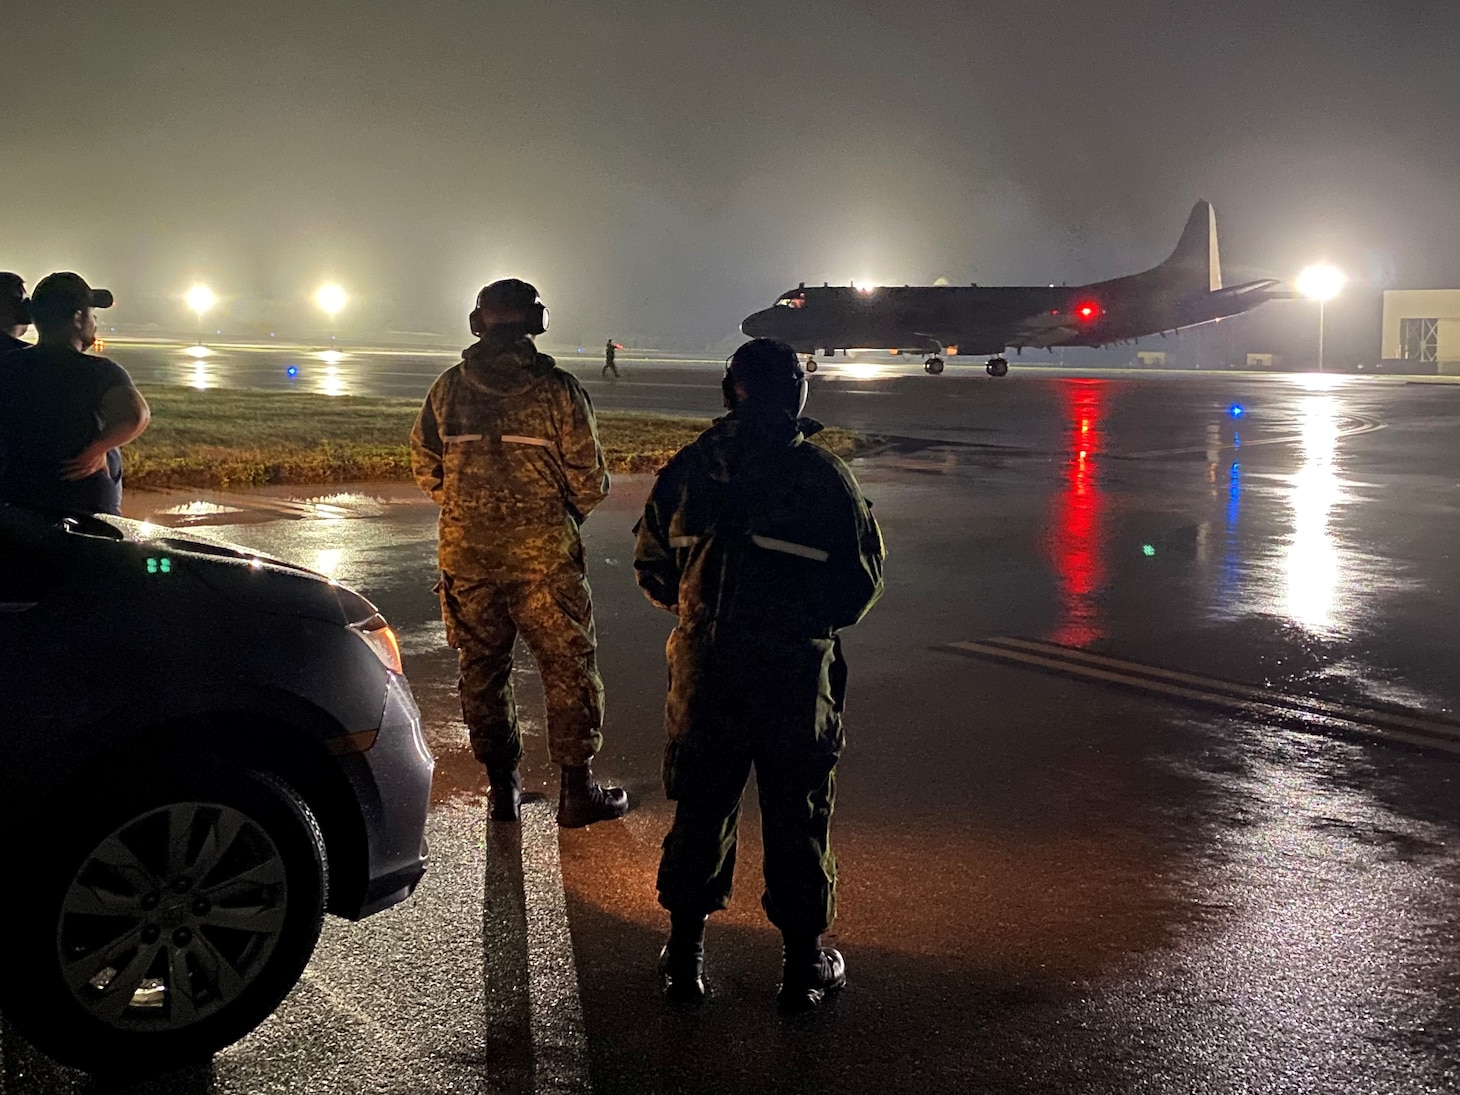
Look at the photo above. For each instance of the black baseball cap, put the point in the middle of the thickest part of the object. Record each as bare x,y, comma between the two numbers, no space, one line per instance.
57,296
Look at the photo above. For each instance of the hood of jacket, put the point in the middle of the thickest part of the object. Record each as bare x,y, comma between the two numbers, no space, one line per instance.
738,438
504,363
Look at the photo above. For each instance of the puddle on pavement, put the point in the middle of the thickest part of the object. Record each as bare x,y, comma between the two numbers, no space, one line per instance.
193,508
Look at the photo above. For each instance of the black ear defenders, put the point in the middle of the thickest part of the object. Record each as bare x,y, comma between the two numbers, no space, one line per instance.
509,302
537,318
731,397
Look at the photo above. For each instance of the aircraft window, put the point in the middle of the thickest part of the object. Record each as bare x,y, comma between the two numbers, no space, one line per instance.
791,302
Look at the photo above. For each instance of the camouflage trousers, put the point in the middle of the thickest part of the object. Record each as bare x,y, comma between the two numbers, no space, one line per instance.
554,615
775,705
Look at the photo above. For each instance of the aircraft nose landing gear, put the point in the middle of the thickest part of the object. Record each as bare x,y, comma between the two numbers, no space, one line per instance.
997,366
933,366
811,364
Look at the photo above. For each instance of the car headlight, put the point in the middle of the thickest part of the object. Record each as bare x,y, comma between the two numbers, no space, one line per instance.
380,638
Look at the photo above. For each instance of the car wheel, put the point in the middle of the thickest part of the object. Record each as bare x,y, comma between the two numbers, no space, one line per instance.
164,929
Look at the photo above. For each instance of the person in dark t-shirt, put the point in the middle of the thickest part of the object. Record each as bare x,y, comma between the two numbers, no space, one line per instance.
14,312
64,414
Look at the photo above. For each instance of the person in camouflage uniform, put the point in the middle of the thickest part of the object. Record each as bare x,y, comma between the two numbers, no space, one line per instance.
507,445
764,547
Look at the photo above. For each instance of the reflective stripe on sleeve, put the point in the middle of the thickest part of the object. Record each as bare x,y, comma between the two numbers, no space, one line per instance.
519,439
786,547
448,438
683,541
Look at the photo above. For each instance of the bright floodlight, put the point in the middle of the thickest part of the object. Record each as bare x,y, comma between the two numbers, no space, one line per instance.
200,299
1321,282
331,299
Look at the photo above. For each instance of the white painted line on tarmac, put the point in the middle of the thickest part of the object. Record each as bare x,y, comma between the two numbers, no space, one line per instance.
559,1034
1402,720
1238,699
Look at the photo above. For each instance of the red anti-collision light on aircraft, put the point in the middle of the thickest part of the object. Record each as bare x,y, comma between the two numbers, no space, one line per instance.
1087,311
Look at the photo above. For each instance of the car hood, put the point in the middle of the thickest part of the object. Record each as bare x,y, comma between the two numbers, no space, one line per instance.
249,578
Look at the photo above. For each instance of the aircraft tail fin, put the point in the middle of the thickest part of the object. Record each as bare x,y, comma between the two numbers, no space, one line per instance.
1196,257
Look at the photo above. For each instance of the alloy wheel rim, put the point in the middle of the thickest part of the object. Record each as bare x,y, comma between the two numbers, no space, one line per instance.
172,916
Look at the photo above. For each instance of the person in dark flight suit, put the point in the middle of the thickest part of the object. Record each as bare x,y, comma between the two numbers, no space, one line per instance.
763,546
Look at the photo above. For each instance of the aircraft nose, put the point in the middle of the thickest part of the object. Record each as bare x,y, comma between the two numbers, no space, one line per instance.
759,324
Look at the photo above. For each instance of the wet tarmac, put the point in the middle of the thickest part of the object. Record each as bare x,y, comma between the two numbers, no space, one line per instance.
1217,860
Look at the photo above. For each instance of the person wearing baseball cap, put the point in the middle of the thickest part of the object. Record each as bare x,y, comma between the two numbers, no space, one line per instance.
14,312
64,413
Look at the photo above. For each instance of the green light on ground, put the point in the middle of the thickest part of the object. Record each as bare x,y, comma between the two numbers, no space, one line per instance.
1148,550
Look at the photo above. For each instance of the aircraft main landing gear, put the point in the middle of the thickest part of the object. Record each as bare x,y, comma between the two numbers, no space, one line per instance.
933,366
811,365
997,366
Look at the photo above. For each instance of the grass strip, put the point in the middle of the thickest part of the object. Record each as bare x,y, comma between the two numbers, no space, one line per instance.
241,438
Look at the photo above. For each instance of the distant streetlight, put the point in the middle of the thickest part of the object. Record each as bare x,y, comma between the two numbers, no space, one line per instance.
1321,283
201,300
331,300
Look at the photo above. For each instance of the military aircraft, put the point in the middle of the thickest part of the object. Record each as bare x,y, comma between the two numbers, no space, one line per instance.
1184,291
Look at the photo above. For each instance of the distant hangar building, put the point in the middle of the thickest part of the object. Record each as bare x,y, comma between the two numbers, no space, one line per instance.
1422,330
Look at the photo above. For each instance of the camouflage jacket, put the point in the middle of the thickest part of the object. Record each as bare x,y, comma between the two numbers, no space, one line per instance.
752,528
507,445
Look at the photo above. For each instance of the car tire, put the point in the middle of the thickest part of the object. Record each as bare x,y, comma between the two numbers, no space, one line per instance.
220,877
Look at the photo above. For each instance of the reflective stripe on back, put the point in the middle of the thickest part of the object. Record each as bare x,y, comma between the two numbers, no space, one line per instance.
519,439
801,551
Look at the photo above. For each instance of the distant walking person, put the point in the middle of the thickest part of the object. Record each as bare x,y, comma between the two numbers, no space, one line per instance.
65,414
763,546
507,445
14,312
610,356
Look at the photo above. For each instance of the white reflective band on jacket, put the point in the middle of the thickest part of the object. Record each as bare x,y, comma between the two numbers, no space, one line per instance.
518,439
788,548
456,438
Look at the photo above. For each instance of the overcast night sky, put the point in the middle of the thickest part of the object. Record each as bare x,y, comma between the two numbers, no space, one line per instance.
661,169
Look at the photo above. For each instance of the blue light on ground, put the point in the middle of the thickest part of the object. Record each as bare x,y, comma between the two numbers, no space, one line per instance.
292,370
1236,410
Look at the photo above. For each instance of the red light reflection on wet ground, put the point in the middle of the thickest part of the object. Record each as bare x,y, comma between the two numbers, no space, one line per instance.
1074,538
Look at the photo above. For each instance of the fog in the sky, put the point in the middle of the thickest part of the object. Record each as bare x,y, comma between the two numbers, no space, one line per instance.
662,168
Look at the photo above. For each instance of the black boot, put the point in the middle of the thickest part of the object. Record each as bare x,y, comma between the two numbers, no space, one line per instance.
504,795
583,801
682,961
811,971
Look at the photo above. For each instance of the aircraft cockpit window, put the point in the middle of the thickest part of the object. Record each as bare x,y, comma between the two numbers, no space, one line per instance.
791,302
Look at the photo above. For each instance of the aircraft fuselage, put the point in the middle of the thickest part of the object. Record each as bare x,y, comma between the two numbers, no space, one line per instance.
1183,291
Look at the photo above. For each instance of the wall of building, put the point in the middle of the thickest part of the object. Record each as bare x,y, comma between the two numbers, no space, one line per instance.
1440,304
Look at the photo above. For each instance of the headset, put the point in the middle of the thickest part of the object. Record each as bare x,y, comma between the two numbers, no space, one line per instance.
531,317
731,397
